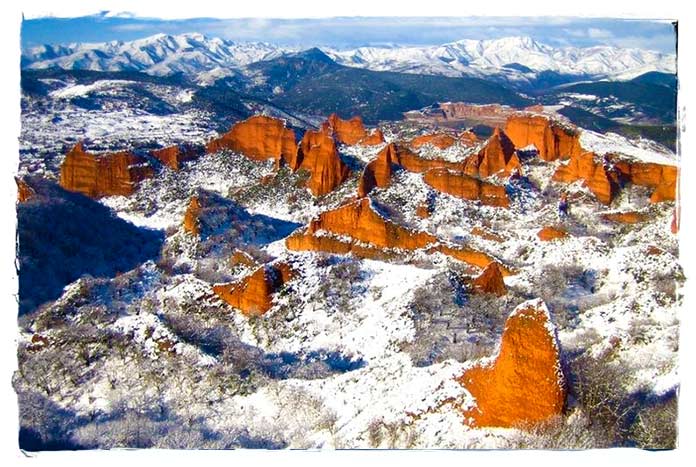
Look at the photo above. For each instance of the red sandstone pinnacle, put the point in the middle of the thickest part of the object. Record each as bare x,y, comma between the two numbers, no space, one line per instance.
24,191
468,138
490,281
191,221
595,175
351,131
104,174
550,138
318,155
259,138
253,295
524,384
173,156
377,173
497,157
548,234
465,186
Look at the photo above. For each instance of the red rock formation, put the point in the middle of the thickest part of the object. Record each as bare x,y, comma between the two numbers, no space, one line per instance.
24,191
104,174
414,163
548,234
674,226
359,221
377,173
253,295
240,258
318,155
191,224
465,186
486,234
351,131
173,156
490,281
594,173
551,139
468,138
439,140
497,157
629,217
423,210
524,384
662,178
471,256
258,138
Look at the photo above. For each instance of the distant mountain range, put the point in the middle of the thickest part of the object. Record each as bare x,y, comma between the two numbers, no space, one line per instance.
519,60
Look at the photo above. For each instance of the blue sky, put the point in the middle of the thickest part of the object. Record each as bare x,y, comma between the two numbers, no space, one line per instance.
344,32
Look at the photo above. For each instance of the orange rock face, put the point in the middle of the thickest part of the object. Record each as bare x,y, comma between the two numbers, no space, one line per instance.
497,157
490,281
414,163
524,384
259,138
488,235
439,140
318,155
377,173
24,191
674,226
351,131
468,138
595,175
630,217
240,258
548,234
173,156
465,186
551,140
661,177
471,256
104,174
253,295
360,221
191,224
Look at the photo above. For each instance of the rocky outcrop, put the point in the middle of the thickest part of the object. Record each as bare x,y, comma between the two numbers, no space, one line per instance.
674,225
490,281
377,173
551,139
470,256
414,163
259,138
465,186
24,191
253,295
351,131
497,157
548,234
468,138
174,156
629,217
524,383
593,172
319,156
191,217
661,177
487,234
240,258
438,140
104,174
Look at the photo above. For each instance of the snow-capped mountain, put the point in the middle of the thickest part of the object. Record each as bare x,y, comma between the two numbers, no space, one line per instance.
212,58
160,55
524,54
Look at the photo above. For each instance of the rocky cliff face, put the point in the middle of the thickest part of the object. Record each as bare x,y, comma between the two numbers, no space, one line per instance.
191,217
318,155
490,281
662,178
253,295
377,173
259,138
24,191
173,156
414,163
497,157
551,139
465,186
524,384
351,131
593,172
102,175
